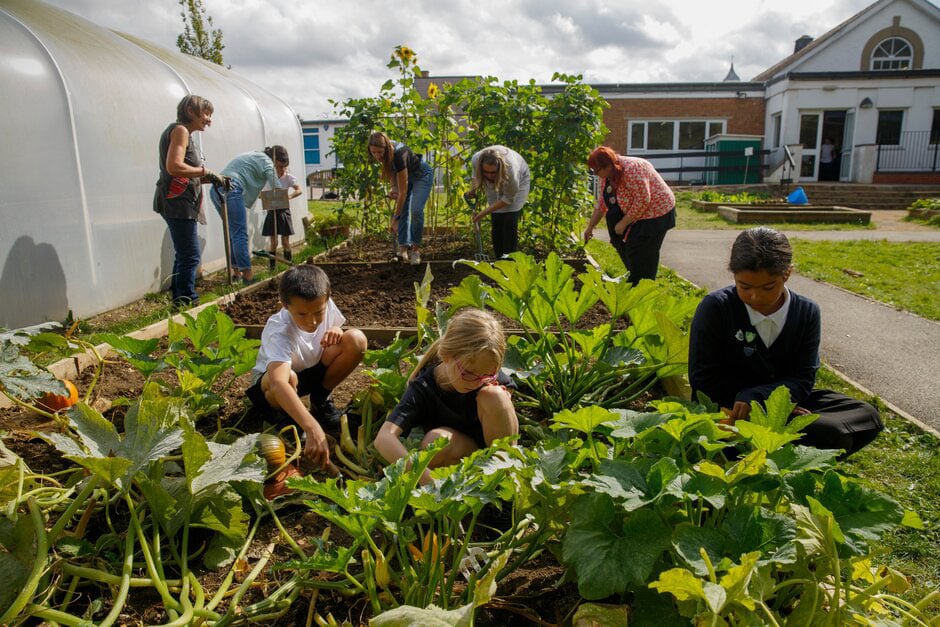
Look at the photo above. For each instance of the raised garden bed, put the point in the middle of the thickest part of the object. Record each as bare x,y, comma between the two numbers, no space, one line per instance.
712,206
763,214
376,297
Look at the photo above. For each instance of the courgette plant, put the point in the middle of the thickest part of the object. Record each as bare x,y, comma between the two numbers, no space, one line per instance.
562,366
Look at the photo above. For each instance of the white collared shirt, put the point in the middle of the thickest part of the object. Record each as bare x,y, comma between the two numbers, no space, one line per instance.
769,327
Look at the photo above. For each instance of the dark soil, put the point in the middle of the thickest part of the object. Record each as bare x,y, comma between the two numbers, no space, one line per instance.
381,295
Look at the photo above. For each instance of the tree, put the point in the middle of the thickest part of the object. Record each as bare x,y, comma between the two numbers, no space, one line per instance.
199,38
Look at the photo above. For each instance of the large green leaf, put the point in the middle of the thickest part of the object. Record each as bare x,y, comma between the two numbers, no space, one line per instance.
17,554
763,437
753,529
585,420
862,514
150,434
138,353
622,481
230,462
21,378
608,550
632,423
689,540
219,509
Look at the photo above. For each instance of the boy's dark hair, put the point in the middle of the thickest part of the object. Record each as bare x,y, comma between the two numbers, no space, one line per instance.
761,248
305,281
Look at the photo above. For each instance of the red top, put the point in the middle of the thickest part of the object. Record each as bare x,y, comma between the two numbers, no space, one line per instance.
642,192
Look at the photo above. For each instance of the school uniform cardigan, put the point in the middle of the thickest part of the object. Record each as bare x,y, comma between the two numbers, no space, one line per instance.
729,362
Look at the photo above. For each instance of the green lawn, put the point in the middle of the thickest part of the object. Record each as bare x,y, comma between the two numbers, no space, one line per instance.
904,463
905,275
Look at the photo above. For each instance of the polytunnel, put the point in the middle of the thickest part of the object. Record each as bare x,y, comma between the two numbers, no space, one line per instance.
83,109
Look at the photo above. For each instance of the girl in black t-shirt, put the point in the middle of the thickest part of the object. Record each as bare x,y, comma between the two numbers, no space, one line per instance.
457,392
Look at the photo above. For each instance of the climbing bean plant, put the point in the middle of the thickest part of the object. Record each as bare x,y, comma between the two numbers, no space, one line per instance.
553,129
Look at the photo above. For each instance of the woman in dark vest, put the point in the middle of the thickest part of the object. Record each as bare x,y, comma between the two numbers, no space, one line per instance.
178,196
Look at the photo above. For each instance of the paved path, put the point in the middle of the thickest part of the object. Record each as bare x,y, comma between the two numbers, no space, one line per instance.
894,354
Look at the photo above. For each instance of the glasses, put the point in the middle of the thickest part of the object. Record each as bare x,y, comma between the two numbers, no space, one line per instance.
471,377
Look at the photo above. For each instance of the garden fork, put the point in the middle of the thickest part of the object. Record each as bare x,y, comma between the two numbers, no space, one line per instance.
479,255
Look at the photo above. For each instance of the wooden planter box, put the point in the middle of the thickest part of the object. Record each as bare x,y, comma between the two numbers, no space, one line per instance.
758,214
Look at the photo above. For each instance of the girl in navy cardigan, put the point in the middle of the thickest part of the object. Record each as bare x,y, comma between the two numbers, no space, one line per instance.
756,335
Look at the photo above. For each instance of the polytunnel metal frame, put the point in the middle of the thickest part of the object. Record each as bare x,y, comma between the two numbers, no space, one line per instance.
79,232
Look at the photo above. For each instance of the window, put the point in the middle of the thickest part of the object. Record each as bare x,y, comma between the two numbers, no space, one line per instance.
935,127
659,135
638,136
776,120
889,127
672,135
809,129
691,135
312,145
892,54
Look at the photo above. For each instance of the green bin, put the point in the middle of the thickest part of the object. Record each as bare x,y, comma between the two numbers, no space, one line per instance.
731,151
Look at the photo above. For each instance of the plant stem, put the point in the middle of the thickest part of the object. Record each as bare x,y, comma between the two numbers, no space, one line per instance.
73,507
125,579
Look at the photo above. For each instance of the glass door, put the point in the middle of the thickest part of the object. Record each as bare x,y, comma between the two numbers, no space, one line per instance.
848,135
809,138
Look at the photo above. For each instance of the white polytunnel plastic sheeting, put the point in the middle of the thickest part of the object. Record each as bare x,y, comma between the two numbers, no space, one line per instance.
83,108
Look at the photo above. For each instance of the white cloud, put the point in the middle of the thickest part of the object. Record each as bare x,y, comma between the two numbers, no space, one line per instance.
310,52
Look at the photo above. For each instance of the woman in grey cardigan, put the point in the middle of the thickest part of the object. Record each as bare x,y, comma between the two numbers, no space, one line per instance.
504,176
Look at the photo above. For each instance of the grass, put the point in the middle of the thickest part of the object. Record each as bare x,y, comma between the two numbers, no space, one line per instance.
905,275
904,463
611,264
689,218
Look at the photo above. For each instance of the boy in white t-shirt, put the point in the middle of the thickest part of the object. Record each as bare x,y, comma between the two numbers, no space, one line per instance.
304,351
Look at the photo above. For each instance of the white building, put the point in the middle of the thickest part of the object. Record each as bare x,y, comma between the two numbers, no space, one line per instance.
872,81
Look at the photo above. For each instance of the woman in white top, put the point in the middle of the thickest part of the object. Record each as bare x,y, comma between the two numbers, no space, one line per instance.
504,176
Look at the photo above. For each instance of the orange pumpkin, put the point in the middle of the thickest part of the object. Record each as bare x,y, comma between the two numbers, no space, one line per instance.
57,402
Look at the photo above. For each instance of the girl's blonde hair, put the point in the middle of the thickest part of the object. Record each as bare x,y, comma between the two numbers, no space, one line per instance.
382,141
470,334
492,157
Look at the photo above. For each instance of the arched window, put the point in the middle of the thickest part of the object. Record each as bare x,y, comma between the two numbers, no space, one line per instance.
893,53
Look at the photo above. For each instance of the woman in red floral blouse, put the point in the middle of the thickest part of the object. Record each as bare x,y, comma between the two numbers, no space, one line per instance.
639,206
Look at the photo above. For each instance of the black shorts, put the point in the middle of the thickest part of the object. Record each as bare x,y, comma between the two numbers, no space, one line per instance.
307,380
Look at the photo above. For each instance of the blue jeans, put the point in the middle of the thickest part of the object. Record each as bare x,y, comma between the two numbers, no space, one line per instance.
237,224
186,256
411,222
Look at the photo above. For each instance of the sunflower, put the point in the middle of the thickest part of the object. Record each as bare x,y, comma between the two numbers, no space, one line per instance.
433,91
404,53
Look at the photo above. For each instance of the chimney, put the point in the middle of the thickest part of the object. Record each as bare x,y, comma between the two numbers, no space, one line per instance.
801,43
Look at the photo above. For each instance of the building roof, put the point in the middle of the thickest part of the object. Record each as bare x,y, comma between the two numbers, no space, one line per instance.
784,65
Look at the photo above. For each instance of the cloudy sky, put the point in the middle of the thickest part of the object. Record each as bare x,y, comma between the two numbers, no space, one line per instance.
309,52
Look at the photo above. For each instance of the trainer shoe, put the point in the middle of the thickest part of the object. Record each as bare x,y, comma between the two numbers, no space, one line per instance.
327,414
415,257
